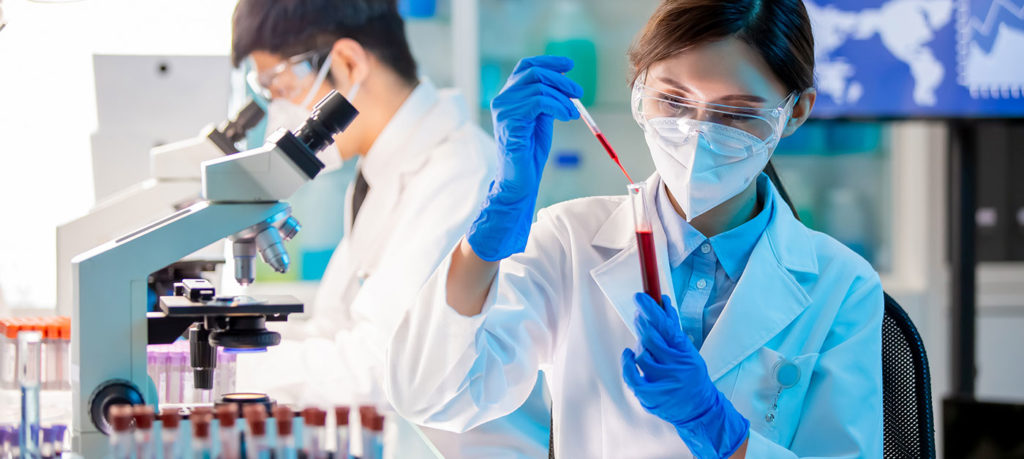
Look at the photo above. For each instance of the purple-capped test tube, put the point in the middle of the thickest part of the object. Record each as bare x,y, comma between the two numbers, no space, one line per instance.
60,432
14,442
46,447
4,442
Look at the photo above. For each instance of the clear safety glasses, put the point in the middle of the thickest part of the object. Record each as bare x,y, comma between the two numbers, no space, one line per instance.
288,78
764,123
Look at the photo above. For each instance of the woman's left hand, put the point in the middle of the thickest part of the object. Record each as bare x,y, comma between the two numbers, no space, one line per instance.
671,381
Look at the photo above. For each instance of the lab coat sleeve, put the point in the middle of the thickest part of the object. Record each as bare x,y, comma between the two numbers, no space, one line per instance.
842,414
453,372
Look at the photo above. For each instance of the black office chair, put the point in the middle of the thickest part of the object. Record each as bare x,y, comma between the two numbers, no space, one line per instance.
909,431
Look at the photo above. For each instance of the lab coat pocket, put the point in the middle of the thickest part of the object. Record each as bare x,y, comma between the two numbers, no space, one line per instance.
770,392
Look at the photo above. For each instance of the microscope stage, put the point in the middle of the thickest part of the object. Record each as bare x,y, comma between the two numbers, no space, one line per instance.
269,305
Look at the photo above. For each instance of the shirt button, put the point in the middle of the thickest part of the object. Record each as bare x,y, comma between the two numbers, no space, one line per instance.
702,283
705,248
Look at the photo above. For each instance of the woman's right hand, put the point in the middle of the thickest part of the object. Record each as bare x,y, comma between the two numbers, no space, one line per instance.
535,95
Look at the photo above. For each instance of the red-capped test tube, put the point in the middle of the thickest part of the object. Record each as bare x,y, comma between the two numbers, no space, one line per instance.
645,241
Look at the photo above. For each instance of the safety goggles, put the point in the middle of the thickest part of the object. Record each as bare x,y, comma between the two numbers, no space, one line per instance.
764,123
288,78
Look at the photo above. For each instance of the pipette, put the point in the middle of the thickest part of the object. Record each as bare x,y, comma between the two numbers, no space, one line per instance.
589,120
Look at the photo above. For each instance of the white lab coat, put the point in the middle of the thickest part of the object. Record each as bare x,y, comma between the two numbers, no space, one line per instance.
428,172
565,306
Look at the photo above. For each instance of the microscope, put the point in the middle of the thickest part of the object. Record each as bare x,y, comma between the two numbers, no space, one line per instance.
242,201
175,183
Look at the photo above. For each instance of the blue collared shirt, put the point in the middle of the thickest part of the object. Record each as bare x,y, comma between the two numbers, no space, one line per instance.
705,270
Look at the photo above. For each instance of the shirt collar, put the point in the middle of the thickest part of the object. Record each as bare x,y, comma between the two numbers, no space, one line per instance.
682,238
732,248
389,152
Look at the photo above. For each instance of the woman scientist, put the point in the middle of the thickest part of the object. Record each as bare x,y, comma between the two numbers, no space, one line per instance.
769,344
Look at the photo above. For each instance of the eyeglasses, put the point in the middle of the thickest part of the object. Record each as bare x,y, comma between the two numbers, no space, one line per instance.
285,80
764,123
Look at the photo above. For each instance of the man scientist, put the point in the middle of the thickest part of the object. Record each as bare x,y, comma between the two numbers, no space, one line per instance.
424,168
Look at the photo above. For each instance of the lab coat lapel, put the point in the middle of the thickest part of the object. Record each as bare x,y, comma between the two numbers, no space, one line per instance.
619,277
767,297
401,149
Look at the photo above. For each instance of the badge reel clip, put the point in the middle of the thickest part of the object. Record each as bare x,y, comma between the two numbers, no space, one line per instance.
786,374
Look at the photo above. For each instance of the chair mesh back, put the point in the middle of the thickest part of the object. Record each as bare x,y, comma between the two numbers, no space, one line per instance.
906,388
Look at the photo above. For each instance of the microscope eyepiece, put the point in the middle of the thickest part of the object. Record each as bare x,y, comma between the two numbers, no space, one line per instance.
330,116
246,119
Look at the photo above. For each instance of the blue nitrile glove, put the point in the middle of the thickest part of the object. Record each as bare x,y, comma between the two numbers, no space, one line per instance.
675,385
524,113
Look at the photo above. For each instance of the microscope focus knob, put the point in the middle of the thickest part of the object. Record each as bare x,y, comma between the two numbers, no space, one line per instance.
110,393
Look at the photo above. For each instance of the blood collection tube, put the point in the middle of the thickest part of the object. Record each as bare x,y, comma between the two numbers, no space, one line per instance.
46,447
8,352
341,433
13,443
144,441
229,435
313,438
53,351
256,445
59,437
64,354
201,445
122,445
169,420
645,241
28,377
373,432
285,446
5,442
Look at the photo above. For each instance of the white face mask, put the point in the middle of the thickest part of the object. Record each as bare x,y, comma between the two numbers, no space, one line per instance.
705,164
283,113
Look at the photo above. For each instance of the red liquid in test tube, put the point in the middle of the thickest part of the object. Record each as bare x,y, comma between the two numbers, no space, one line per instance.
645,243
649,264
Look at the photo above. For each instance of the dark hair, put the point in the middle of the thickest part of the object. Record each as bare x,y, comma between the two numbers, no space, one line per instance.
290,27
779,30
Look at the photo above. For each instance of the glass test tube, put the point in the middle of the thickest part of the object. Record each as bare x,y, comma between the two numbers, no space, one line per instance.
46,447
9,354
341,433
29,343
372,432
122,445
201,446
59,438
5,442
645,241
313,439
63,354
144,416
13,446
169,433
284,448
229,435
256,446
51,380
